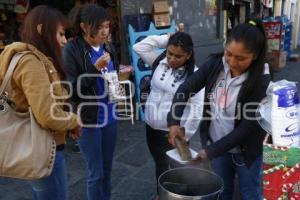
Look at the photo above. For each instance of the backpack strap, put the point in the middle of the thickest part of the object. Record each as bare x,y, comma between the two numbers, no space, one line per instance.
10,70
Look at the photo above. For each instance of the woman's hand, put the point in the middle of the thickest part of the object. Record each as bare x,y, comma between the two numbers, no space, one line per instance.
103,61
201,156
75,133
175,132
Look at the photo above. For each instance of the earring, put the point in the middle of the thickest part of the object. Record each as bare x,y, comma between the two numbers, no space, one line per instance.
39,28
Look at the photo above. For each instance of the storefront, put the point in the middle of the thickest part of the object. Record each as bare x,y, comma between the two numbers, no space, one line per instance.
11,16
297,26
203,20
12,13
237,11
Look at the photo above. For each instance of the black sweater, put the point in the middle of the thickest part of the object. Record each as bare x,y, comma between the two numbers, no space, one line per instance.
77,62
247,134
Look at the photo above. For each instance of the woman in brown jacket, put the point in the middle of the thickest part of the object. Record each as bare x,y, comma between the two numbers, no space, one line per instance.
36,83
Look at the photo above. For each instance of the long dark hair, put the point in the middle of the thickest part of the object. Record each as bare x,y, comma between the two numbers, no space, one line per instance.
185,41
252,35
90,14
46,42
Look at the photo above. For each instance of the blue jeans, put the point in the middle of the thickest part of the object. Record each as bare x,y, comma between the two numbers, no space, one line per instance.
250,179
53,186
97,147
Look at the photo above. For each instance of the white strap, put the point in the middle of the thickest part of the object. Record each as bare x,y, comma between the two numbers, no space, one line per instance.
10,70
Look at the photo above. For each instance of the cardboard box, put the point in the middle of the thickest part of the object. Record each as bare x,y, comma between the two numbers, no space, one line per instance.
162,20
161,14
160,7
277,59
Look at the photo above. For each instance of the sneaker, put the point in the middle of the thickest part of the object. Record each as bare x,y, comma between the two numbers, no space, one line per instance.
76,148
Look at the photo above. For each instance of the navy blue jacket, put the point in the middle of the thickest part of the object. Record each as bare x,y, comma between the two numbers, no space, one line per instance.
247,134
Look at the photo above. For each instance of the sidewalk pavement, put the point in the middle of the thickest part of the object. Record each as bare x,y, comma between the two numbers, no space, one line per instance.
132,174
133,168
291,71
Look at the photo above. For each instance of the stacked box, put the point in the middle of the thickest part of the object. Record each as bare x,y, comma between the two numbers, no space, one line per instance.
276,59
161,14
279,32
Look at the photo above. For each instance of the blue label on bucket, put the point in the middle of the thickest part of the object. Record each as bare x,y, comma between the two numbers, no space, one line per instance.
287,96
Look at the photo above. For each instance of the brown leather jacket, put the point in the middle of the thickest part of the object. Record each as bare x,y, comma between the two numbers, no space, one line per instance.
31,86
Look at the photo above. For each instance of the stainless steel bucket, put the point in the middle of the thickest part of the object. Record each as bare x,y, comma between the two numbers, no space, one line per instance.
189,183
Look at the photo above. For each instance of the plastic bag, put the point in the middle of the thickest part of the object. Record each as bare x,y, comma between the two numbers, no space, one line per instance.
278,113
113,86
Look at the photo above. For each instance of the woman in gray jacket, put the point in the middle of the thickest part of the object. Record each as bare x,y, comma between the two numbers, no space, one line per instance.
235,82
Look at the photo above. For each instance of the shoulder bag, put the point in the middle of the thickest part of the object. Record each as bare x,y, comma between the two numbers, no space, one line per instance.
26,150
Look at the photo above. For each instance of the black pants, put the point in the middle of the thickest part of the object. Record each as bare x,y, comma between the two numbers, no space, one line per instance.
158,144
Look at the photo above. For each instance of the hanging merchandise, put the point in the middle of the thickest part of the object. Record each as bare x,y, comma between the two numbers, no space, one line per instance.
267,3
21,6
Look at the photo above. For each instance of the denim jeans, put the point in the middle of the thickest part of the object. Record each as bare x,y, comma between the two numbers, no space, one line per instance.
249,179
53,186
97,147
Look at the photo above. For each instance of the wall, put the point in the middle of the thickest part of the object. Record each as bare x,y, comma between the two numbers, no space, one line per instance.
205,28
135,6
200,22
297,43
295,18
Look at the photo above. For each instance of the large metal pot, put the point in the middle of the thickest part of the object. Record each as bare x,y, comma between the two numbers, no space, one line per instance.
189,183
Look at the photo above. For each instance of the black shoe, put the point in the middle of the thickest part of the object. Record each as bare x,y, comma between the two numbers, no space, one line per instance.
75,148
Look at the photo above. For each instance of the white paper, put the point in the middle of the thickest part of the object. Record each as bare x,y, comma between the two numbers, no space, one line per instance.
173,154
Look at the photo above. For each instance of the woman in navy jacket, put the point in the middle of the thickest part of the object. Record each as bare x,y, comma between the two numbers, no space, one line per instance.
86,58
235,82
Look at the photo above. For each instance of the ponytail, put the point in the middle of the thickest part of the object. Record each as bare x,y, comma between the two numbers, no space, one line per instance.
252,35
